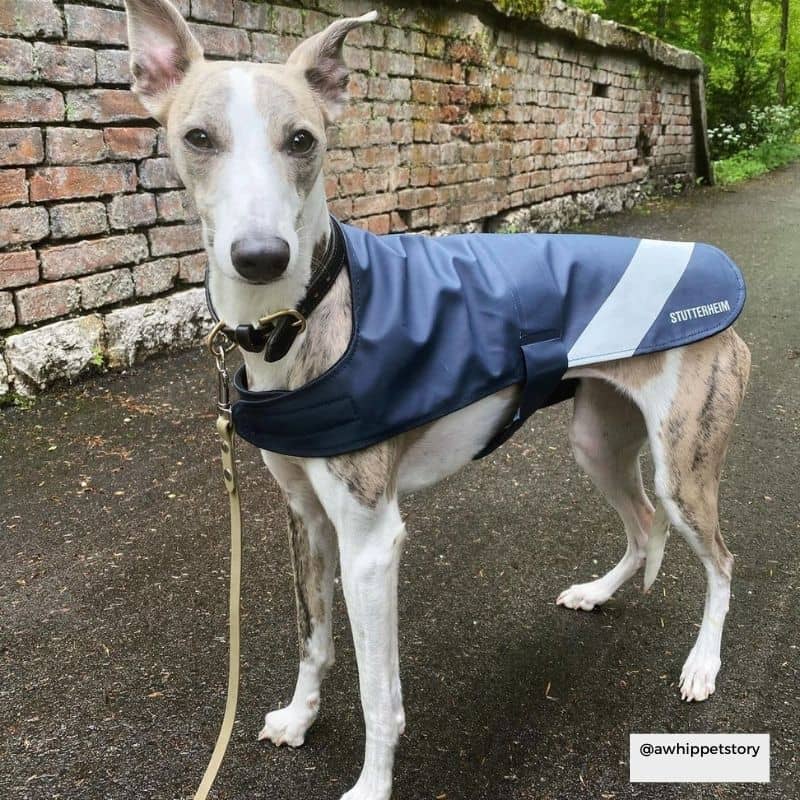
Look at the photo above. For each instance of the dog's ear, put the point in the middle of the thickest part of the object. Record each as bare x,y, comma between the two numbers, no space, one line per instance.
320,59
162,49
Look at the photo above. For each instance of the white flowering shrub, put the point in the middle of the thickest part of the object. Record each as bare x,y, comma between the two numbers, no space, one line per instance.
773,124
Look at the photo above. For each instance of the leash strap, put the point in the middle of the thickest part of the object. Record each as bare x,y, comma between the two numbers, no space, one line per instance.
226,436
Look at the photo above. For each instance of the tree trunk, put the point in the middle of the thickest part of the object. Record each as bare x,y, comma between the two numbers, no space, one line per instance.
783,49
707,30
661,20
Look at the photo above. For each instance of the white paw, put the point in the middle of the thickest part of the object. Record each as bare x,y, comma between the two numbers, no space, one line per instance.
698,677
286,726
584,596
364,792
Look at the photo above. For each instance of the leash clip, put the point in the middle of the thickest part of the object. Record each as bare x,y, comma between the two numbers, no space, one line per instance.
219,345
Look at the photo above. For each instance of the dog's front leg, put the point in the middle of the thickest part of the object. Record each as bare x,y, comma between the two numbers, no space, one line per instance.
312,542
370,544
370,556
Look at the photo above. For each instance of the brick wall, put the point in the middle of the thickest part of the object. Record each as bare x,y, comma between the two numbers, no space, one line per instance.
460,119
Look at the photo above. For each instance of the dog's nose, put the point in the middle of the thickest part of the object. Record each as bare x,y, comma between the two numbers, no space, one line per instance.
260,260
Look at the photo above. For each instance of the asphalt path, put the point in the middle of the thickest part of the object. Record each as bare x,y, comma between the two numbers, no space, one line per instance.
113,580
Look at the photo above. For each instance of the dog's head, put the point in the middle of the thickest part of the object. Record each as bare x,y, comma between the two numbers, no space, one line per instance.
248,140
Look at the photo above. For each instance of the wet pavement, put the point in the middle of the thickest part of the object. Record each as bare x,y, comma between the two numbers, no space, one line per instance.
113,559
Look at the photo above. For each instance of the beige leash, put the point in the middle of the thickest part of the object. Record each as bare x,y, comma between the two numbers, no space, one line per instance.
219,345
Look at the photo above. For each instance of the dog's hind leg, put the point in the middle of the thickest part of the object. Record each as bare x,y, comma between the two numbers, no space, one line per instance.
607,434
690,412
312,542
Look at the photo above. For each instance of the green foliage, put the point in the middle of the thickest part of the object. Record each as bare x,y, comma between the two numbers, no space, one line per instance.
522,8
98,359
756,161
773,125
17,400
739,40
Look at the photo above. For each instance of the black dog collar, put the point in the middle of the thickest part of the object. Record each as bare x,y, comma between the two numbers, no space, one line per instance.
275,333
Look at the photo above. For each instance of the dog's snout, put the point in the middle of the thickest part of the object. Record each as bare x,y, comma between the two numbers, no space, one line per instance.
260,260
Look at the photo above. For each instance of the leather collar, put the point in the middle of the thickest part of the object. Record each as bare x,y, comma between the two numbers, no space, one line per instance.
275,334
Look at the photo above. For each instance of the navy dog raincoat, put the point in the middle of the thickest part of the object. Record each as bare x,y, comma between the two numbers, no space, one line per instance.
441,322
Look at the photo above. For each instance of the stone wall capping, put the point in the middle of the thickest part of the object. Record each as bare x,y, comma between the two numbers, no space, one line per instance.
560,18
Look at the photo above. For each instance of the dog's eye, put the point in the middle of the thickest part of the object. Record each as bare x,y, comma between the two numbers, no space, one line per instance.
300,143
199,139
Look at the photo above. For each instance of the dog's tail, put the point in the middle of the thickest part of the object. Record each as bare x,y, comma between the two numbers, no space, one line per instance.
654,552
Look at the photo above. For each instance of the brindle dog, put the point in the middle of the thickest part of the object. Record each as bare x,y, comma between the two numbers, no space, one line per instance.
249,140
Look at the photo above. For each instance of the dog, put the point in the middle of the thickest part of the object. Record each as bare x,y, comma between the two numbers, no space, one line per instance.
248,140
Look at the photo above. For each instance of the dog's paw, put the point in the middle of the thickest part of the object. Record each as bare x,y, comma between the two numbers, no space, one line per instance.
698,677
366,791
286,726
583,596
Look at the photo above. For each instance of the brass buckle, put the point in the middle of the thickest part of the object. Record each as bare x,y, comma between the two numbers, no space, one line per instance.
300,320
218,342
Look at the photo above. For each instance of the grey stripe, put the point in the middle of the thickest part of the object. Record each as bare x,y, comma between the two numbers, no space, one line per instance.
620,324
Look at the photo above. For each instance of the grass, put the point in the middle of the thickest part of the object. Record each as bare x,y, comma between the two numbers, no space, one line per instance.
758,161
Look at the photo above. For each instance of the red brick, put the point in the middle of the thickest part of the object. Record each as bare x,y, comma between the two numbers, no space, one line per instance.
130,143
158,173
433,69
75,145
25,104
16,60
374,204
418,218
162,144
60,183
8,314
272,47
192,268
379,224
176,207
218,41
20,146
375,156
388,63
60,64
155,277
331,186
13,187
47,301
18,269
31,18
415,198
213,10
112,66
20,225
175,239
290,20
98,25
342,208
106,288
84,257
351,183
132,211
104,105
398,224
71,220
256,16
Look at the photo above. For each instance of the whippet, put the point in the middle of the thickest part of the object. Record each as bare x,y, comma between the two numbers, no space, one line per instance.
248,141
